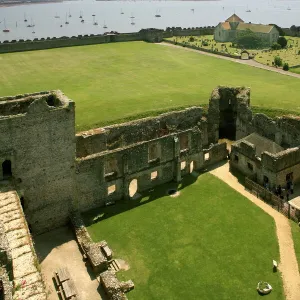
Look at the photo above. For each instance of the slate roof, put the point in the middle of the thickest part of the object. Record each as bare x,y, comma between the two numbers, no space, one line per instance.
261,144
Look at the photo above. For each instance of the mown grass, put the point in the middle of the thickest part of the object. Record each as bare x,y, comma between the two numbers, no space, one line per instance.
200,245
111,83
296,238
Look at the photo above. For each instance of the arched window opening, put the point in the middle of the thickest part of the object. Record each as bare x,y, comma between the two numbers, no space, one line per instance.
133,187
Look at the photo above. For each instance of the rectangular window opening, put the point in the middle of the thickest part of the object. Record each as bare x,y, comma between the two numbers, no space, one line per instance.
183,165
206,156
154,175
111,189
250,166
236,158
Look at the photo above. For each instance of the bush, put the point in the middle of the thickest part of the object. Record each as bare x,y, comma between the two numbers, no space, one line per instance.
205,43
276,46
277,61
282,41
192,39
285,67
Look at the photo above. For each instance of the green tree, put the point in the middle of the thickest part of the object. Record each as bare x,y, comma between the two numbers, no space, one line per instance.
286,67
276,46
282,41
277,61
192,39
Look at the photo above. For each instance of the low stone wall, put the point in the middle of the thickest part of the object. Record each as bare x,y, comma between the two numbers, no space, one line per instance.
6,285
114,288
93,251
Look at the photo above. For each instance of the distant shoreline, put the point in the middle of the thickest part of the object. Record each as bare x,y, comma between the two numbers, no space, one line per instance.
16,3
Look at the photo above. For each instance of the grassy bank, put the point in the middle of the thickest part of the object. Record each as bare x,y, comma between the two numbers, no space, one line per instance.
122,81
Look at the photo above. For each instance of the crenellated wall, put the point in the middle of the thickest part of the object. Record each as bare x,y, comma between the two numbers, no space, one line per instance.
148,35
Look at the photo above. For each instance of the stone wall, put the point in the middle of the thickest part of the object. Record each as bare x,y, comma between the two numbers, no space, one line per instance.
39,144
149,35
106,176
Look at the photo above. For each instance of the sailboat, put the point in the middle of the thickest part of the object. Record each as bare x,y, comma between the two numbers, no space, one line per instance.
193,10
57,16
248,10
31,24
70,16
104,26
288,8
157,14
66,19
5,28
122,13
25,19
132,17
80,15
94,22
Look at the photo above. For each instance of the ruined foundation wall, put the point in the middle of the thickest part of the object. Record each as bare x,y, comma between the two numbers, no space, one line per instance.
39,142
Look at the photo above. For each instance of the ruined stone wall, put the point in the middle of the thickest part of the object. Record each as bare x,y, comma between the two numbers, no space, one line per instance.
162,156
125,134
38,138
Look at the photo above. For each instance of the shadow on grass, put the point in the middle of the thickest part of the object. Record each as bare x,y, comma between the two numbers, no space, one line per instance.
102,213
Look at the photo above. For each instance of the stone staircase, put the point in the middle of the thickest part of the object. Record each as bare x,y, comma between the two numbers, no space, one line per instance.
113,265
27,279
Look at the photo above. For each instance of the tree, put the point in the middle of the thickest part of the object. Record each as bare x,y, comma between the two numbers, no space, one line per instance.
286,67
192,39
277,61
276,46
247,39
282,41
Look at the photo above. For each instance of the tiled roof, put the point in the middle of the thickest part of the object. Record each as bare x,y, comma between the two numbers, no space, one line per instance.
234,18
226,25
255,27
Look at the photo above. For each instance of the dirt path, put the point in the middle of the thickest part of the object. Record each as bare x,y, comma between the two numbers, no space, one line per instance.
249,62
288,263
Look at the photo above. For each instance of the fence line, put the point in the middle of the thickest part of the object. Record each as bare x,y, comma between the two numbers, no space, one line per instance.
268,197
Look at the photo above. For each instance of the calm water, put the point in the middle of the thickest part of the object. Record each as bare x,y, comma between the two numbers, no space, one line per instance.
173,13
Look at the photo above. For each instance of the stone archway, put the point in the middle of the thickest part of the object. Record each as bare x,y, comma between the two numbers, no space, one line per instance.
133,188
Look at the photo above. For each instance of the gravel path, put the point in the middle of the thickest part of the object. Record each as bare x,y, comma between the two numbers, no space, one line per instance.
288,263
249,62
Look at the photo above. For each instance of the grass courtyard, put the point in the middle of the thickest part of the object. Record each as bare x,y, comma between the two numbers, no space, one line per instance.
199,245
122,81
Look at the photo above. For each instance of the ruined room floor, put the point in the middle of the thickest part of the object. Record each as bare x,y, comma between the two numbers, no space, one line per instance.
58,248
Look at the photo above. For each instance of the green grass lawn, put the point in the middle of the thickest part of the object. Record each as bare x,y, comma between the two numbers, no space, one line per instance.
122,81
296,238
295,70
200,245
289,55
